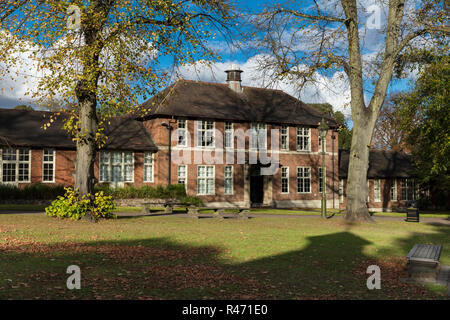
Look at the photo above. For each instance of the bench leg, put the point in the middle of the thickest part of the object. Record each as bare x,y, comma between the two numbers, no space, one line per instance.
193,213
219,213
243,214
168,209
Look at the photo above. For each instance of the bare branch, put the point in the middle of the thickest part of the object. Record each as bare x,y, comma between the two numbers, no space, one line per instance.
307,16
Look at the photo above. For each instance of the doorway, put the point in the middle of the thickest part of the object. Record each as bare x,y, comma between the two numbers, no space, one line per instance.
256,190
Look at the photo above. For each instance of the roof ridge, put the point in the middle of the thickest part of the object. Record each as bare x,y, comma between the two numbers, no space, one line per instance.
224,84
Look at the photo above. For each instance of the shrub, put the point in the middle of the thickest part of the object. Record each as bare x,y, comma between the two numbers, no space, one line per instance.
35,191
423,202
74,207
194,201
174,191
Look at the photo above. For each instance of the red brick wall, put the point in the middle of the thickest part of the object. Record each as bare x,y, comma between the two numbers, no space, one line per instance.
64,164
292,159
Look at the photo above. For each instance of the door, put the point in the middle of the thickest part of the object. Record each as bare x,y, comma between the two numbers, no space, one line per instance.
256,190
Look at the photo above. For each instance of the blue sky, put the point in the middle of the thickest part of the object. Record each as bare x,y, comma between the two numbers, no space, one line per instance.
333,85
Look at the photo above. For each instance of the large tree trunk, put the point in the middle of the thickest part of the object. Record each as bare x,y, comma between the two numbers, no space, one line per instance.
364,118
84,165
86,93
357,190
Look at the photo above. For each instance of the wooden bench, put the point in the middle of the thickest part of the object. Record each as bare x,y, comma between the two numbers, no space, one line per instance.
423,261
241,213
167,205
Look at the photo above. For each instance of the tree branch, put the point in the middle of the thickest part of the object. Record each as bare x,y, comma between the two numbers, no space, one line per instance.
419,33
308,16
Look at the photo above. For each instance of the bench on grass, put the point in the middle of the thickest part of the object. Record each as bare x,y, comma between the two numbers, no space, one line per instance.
168,206
219,212
423,261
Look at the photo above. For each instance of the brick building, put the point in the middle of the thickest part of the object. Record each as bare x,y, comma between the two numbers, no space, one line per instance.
217,131
391,184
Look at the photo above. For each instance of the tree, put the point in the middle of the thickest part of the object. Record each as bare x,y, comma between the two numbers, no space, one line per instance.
424,115
388,134
304,39
345,134
105,55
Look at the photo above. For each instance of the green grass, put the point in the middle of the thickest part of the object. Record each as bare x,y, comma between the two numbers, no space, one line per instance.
424,214
181,258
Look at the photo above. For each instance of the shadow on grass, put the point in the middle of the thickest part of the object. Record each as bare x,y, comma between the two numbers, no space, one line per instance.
331,266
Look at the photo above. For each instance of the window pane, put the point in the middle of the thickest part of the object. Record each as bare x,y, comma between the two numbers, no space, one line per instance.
104,157
116,157
302,139
128,157
48,172
116,174
9,172
210,186
148,157
201,186
9,154
104,176
148,172
24,173
128,173
24,155
182,174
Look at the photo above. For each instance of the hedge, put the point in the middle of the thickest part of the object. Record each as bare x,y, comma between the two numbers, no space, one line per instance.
40,191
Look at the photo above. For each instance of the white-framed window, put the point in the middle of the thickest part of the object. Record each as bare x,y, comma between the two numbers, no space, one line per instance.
284,137
148,166
284,179
393,190
320,179
15,165
408,189
48,165
116,166
341,191
303,139
228,180
376,190
320,143
368,190
182,174
205,133
258,137
205,180
229,135
182,132
303,179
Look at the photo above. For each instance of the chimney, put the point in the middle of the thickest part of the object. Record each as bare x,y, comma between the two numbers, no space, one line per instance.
234,78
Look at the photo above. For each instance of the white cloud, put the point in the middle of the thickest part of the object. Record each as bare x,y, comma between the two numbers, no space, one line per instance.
19,81
333,89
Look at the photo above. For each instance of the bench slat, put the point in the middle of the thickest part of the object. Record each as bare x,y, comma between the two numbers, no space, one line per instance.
425,253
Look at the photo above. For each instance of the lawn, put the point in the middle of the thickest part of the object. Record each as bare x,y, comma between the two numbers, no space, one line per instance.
179,258
316,212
